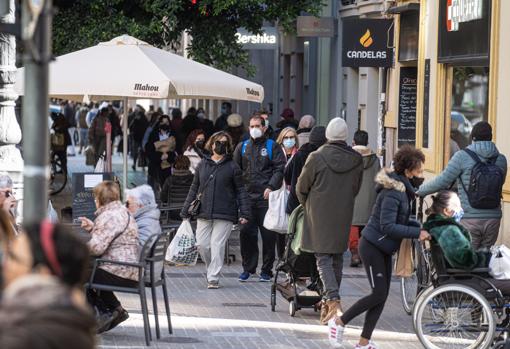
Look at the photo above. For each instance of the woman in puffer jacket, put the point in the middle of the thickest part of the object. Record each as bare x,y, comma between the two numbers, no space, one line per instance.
224,201
389,223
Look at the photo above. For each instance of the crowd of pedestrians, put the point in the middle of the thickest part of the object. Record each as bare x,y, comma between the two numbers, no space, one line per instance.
228,171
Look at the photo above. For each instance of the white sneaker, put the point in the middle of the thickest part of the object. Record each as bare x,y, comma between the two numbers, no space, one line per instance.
336,333
370,345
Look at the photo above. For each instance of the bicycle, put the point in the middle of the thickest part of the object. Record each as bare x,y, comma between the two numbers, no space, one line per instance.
419,280
58,173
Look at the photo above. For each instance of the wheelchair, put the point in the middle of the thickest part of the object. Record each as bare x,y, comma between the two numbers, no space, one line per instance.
460,309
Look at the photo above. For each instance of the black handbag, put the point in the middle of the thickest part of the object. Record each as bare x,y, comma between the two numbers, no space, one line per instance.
142,159
194,207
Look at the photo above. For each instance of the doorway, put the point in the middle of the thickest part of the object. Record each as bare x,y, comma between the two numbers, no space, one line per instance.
467,100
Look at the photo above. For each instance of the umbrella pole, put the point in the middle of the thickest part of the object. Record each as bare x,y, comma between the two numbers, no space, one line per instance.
125,146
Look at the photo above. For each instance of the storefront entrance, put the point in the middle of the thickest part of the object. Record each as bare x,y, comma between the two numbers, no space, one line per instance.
466,104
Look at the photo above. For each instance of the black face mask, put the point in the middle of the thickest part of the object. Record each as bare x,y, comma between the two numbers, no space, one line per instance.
200,144
416,182
220,148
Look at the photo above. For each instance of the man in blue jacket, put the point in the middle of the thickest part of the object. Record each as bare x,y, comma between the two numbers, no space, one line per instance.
483,224
262,161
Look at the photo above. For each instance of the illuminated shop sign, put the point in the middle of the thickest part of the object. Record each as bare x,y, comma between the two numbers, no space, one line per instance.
367,43
461,11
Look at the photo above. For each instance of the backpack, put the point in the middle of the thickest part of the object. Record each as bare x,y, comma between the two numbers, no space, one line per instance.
486,183
269,147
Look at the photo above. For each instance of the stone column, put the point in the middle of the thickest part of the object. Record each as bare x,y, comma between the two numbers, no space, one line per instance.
10,132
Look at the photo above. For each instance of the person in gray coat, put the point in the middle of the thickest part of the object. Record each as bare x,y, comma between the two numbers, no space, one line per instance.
142,205
328,184
367,194
483,224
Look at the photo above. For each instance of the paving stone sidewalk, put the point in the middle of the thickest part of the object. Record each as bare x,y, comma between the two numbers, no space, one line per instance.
239,314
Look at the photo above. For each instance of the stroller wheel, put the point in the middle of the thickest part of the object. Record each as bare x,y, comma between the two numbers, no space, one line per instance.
292,308
273,297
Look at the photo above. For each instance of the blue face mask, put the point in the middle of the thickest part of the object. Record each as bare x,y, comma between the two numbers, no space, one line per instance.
457,215
289,143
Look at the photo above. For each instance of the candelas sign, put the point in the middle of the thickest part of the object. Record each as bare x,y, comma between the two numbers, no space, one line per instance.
461,11
367,43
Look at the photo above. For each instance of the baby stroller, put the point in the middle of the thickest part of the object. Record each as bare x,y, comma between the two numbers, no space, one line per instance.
301,286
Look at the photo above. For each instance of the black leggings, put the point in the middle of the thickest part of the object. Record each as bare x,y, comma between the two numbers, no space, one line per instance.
378,267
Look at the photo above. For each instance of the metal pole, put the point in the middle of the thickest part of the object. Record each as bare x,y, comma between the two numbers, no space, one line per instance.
125,147
35,117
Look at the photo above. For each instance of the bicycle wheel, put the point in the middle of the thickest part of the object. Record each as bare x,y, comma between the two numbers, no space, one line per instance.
408,291
455,316
409,286
58,175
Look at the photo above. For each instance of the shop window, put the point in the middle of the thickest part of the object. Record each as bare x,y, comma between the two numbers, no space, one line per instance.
469,104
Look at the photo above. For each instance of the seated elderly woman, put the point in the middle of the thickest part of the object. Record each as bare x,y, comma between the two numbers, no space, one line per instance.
114,236
453,239
142,205
44,270
8,202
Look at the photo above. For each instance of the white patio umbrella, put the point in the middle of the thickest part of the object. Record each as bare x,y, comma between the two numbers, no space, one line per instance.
127,68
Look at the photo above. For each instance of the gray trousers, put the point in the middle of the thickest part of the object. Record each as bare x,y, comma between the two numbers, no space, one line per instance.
211,238
484,232
330,270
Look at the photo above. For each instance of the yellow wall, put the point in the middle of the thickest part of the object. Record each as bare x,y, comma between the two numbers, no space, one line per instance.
499,92
501,84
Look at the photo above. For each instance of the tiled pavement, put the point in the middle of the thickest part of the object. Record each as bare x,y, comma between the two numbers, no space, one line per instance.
239,315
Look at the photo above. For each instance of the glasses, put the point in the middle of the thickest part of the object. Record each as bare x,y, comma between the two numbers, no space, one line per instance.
7,193
289,137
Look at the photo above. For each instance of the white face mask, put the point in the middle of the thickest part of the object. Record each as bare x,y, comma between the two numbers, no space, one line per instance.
255,133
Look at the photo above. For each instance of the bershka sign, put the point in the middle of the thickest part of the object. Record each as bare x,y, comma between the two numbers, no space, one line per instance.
367,43
265,41
461,11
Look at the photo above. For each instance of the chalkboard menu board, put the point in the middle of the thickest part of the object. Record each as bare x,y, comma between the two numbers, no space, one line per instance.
83,198
407,106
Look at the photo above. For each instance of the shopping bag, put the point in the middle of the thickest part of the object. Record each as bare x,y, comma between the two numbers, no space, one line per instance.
90,156
142,158
405,264
499,264
182,249
276,218
100,166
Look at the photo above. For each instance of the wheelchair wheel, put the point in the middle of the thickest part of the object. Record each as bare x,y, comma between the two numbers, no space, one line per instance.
419,299
454,316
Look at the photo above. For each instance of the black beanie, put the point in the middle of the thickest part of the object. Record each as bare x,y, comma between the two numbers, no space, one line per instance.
318,135
482,131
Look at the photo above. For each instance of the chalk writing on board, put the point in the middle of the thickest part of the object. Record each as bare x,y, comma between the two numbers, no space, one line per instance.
407,106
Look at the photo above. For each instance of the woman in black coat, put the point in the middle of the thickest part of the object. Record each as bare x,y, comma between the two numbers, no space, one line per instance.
296,164
224,201
389,223
160,162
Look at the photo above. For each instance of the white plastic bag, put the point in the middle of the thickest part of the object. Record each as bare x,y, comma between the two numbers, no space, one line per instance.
276,218
182,249
52,214
499,265
100,166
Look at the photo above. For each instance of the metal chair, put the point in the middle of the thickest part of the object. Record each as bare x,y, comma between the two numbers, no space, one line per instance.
151,273
155,276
